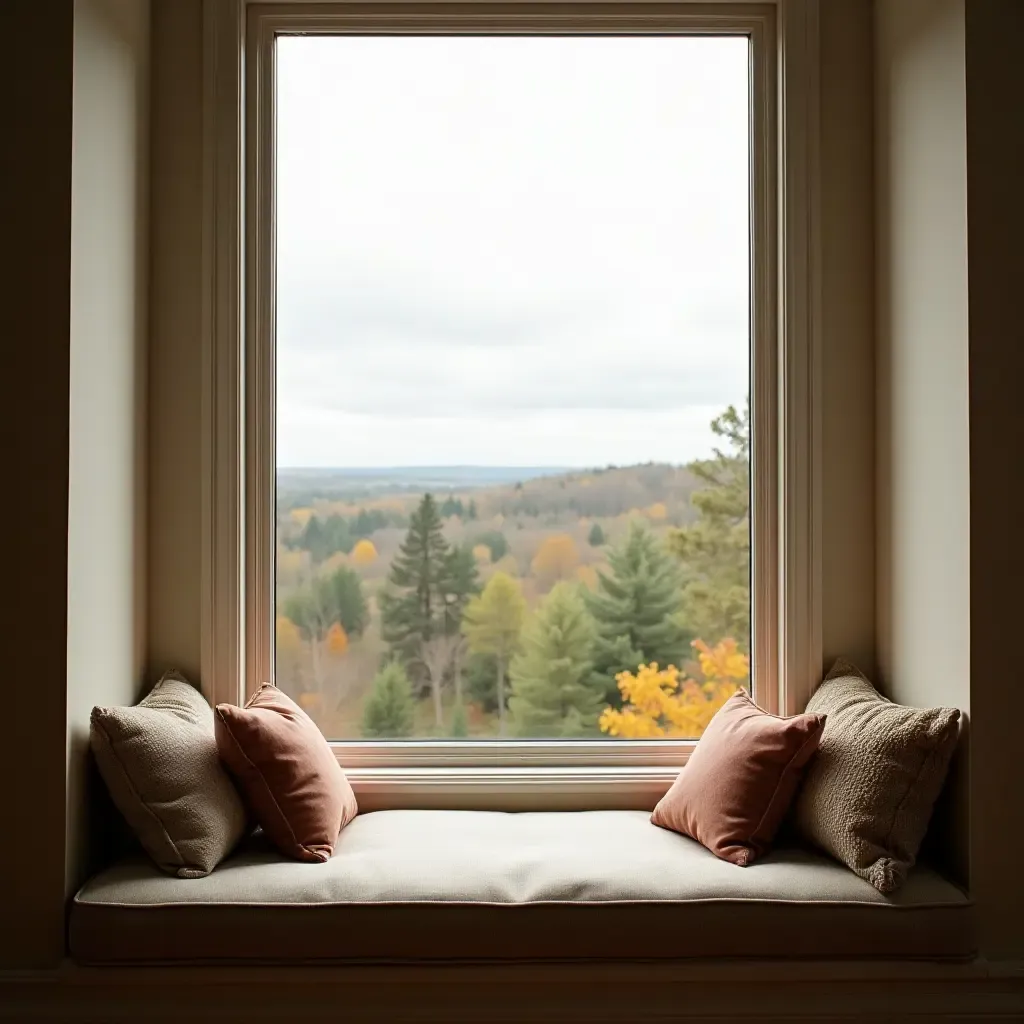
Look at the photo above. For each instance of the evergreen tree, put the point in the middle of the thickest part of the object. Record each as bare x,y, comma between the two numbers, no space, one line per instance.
492,623
342,593
389,711
496,541
596,537
335,598
481,683
471,512
412,606
636,609
553,687
460,584
715,549
460,726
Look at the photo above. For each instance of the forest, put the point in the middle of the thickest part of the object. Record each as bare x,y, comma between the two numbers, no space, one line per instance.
462,603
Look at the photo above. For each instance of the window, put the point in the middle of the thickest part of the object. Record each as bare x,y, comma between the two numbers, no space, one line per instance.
516,314
512,312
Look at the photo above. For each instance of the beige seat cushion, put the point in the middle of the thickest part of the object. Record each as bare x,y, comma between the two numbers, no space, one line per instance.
159,761
477,884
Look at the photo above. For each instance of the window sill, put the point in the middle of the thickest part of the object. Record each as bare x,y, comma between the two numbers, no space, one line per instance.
512,788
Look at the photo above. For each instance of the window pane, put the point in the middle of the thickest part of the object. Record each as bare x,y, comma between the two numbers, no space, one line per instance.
513,360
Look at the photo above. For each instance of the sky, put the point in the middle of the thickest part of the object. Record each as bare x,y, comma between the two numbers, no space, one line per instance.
509,251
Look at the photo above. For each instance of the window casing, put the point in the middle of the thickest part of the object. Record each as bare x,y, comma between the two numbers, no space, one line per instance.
239,391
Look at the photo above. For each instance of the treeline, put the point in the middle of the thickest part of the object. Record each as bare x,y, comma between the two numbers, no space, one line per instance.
554,672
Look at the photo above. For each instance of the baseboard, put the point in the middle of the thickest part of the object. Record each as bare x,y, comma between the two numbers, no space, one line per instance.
573,993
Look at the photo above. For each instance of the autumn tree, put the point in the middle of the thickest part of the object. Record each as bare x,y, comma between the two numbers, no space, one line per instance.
556,558
553,692
662,702
412,604
636,607
715,549
337,639
333,599
390,709
287,650
596,536
496,541
364,553
492,623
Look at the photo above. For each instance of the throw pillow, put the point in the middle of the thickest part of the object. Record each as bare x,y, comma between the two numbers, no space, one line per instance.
868,795
288,773
740,780
159,761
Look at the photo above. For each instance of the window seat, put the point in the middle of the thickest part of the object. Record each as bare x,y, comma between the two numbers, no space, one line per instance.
491,885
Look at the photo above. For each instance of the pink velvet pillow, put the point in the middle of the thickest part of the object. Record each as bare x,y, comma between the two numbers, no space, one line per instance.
287,773
740,780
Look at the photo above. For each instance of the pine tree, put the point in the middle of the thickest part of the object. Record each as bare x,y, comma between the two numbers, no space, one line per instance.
389,711
636,608
412,606
553,687
460,584
492,623
596,537
715,550
460,726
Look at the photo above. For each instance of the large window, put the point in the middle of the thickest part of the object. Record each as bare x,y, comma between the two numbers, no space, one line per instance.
513,339
510,448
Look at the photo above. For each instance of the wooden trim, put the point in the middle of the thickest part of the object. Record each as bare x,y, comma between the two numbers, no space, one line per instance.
800,643
572,992
785,507
223,582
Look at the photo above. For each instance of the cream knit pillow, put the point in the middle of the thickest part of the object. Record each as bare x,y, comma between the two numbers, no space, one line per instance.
868,794
159,761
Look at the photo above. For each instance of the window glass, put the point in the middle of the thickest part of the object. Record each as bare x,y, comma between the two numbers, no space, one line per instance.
512,371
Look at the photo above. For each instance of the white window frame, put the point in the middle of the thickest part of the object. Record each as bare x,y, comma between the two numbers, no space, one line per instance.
239,394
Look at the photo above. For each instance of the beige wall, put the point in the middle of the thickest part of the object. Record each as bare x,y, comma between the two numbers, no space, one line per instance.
995,233
848,334
109,334
35,214
175,396
923,471
922,435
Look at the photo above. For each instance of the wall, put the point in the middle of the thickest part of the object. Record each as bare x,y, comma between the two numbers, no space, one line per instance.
175,395
35,211
848,334
950,147
995,219
923,459
922,454
109,336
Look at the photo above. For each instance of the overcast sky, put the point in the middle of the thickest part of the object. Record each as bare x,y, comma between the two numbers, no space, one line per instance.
509,251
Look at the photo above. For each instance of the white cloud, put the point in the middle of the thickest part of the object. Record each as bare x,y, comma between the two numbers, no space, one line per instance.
508,250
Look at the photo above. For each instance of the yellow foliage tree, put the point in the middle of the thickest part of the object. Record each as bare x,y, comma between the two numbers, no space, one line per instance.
289,639
337,639
482,553
658,511
364,553
662,702
587,575
556,558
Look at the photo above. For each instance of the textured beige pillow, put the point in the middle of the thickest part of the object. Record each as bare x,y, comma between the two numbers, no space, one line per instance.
868,794
159,761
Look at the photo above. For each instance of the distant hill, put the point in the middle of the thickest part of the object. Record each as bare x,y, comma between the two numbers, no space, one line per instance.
518,492
361,482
